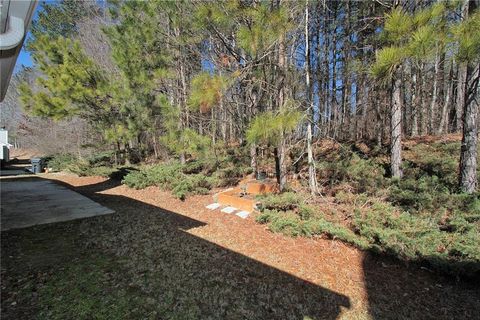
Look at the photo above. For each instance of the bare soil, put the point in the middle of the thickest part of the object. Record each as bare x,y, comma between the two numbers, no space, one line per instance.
177,260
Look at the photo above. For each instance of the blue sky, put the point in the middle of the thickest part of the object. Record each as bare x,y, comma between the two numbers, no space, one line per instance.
24,57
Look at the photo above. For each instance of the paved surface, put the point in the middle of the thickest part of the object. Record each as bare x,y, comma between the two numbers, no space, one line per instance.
28,202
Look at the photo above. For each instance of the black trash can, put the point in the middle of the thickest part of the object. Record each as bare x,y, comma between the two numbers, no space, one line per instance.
37,165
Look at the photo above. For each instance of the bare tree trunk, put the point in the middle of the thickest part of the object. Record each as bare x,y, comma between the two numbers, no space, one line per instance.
312,176
460,102
415,104
282,149
423,101
443,127
407,114
462,80
253,159
396,129
468,155
281,100
433,103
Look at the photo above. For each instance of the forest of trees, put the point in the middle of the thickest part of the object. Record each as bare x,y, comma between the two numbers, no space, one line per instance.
182,78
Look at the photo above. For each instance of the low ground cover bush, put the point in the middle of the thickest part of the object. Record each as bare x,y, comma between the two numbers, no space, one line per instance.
226,167
99,164
61,162
195,177
171,176
421,218
289,214
429,195
363,175
447,243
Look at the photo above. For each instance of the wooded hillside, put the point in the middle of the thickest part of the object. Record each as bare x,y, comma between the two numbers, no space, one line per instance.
183,79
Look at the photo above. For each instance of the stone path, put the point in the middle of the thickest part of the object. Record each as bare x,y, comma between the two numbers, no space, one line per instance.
228,210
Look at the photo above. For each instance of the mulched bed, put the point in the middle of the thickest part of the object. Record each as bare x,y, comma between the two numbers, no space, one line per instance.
177,260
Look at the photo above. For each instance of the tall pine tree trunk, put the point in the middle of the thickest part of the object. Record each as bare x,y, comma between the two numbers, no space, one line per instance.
282,165
468,179
462,79
396,129
468,154
461,91
415,104
312,179
443,127
433,103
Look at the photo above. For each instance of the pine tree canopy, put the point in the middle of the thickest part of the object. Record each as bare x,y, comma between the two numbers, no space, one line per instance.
206,91
268,127
466,38
266,27
71,84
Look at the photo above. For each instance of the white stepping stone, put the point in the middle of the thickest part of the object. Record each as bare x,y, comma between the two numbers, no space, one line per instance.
229,209
243,214
213,206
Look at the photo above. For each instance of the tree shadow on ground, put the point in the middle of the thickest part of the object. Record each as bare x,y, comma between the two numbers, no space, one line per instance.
399,291
185,276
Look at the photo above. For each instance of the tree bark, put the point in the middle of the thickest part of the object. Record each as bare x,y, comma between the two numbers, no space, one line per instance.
415,104
396,129
462,80
461,91
282,151
468,153
433,103
312,176
253,159
443,127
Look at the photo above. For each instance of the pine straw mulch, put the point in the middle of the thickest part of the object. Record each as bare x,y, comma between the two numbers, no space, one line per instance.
183,261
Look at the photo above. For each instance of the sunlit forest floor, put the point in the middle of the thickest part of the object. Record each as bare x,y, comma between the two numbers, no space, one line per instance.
160,257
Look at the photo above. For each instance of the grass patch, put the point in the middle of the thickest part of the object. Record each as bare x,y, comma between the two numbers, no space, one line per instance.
86,289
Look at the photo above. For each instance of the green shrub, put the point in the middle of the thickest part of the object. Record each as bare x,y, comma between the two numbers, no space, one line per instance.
101,159
429,194
436,159
98,164
447,240
231,175
170,176
426,193
191,184
287,213
61,162
305,212
283,202
266,216
287,223
137,180
319,226
451,245
195,166
364,175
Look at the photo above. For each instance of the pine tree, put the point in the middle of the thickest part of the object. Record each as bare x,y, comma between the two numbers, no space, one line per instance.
411,37
467,40
387,69
271,129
